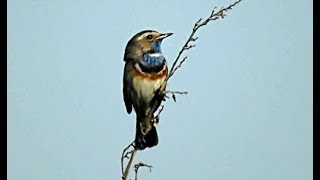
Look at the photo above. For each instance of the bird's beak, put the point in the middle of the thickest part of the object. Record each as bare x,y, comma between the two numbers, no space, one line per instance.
165,35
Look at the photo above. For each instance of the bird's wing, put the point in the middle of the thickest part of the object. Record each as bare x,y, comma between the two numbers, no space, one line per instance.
126,95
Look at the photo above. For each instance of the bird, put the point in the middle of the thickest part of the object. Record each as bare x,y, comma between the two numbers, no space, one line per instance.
145,70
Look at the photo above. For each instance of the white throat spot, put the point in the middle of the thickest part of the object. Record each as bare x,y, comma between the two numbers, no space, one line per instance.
156,54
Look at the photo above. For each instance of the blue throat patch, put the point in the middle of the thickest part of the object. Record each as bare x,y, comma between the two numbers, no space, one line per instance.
152,60
155,57
156,46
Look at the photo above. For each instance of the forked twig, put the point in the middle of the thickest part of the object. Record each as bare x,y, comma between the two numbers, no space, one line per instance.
129,155
137,166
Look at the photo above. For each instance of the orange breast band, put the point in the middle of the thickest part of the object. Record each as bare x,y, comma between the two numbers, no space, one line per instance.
151,75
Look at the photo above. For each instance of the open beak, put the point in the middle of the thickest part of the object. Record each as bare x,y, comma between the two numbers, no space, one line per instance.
165,35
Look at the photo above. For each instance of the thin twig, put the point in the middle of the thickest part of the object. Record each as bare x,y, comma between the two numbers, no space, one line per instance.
173,94
156,119
182,61
213,16
125,154
137,166
126,172
177,92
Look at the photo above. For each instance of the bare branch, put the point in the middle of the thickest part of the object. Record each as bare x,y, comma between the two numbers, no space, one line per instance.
125,174
127,154
213,16
173,94
181,62
137,166
157,117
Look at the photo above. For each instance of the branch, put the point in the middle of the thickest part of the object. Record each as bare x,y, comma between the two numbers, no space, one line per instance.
157,117
137,166
177,63
125,155
213,16
173,94
129,155
184,59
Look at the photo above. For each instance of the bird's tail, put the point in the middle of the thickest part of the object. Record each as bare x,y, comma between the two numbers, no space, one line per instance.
146,134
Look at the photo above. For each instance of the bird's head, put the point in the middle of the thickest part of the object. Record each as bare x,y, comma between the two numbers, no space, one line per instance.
144,42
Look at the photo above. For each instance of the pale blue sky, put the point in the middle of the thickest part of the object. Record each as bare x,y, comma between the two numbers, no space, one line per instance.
248,114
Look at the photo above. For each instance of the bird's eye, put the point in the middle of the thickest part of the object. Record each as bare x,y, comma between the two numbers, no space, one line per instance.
149,36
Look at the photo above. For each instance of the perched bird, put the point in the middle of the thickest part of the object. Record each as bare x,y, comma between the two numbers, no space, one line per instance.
144,72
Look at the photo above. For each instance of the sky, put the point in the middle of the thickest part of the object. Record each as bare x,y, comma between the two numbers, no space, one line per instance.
247,115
